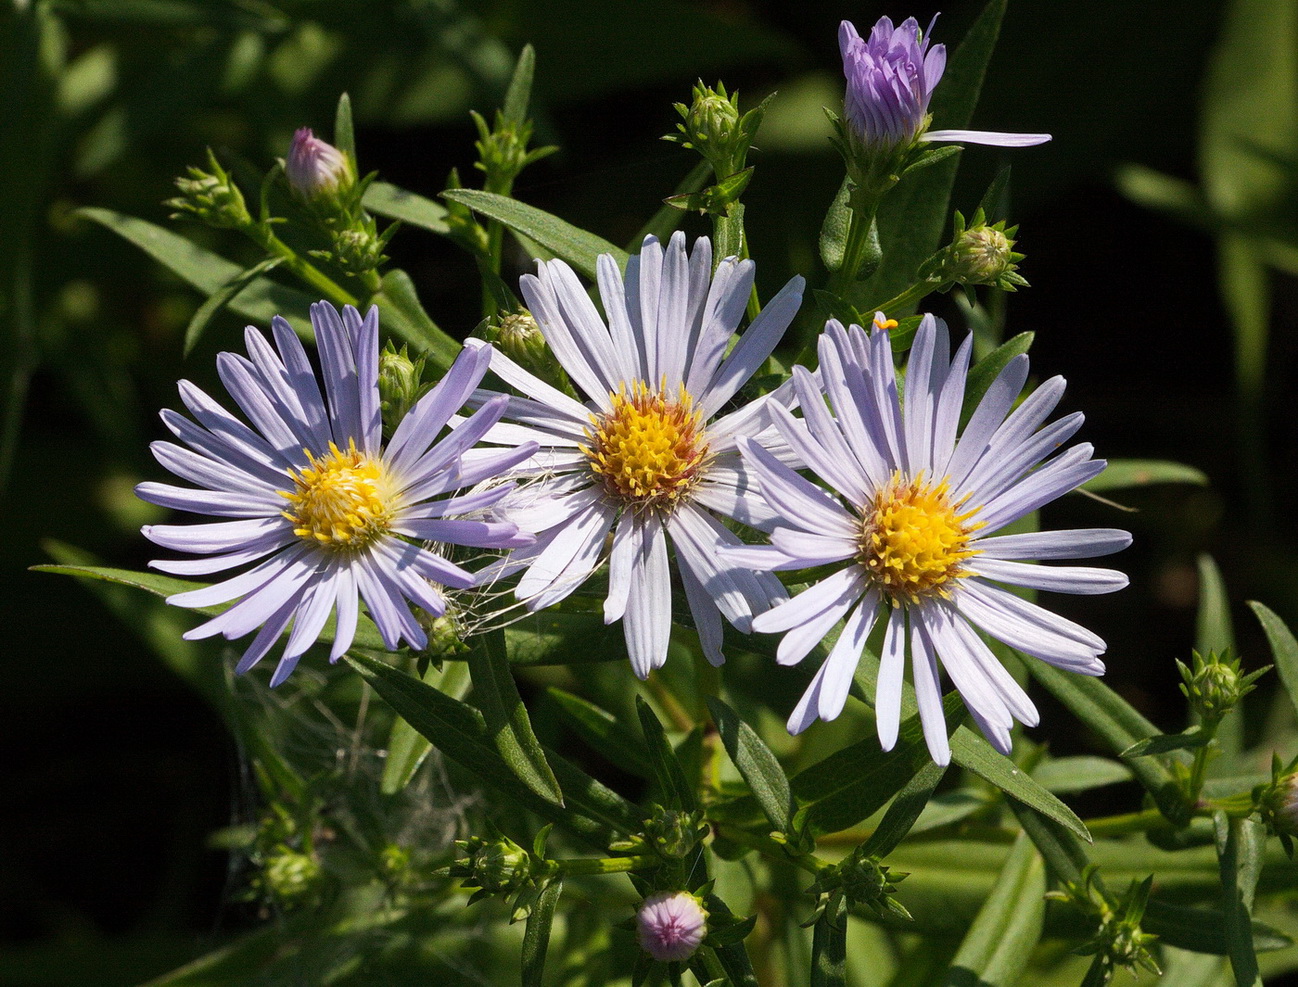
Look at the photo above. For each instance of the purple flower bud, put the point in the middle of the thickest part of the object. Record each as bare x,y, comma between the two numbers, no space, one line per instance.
890,79
891,76
316,168
670,925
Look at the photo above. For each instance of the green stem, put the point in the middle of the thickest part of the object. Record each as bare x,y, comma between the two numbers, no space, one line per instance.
911,296
1200,766
1130,822
859,243
606,865
776,851
305,270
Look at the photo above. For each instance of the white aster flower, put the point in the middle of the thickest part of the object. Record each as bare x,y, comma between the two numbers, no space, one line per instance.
324,514
911,514
648,456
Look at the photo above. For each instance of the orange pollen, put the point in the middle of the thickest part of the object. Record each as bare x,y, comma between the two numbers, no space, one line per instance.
649,450
914,540
881,323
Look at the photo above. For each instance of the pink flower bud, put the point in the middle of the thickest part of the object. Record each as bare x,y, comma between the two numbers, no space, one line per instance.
671,924
316,168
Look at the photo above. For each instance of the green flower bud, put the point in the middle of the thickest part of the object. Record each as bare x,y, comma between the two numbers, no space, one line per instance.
518,336
446,635
672,833
712,125
862,880
211,196
400,384
497,866
1214,684
712,118
292,877
981,255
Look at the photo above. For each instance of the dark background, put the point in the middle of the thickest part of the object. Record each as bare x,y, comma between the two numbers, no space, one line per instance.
116,769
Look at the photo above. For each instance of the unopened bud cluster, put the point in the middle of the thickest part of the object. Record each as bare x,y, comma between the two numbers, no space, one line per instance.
401,384
498,866
861,880
712,125
978,254
1214,684
517,335
211,196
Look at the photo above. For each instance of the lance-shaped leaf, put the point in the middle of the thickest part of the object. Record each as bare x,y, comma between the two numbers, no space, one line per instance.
1189,739
829,946
510,728
998,945
394,202
344,131
733,957
1240,843
1284,648
402,313
1204,930
664,222
220,298
1123,474
758,766
460,732
1118,725
667,769
519,94
536,935
1079,774
260,300
602,732
985,371
904,811
567,242
407,747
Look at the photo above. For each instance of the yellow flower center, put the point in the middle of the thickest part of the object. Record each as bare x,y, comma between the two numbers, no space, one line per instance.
914,540
649,450
340,501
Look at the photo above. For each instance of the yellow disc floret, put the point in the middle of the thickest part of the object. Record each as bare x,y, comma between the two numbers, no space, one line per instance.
650,449
340,501
914,540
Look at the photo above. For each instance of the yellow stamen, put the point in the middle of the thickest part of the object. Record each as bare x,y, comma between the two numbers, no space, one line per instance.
340,501
881,323
649,450
914,540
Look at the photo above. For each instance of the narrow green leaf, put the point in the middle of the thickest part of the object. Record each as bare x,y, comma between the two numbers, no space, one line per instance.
367,635
829,950
984,372
401,312
668,772
733,957
260,300
1061,850
1165,743
221,298
344,132
1123,474
1240,845
601,732
536,935
758,766
664,222
972,752
407,747
385,199
1203,930
459,731
1079,774
508,725
904,811
833,231
576,246
1284,648
1213,628
1114,720
519,93
998,945
556,637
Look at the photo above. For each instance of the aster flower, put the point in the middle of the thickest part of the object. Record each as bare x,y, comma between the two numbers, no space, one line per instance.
670,925
891,76
324,515
911,516
648,456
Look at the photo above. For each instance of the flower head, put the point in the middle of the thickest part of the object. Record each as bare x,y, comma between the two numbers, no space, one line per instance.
890,77
320,510
912,523
649,455
670,925
316,169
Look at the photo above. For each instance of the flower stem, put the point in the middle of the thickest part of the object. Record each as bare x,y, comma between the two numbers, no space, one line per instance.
606,865
777,851
911,296
304,269
862,244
